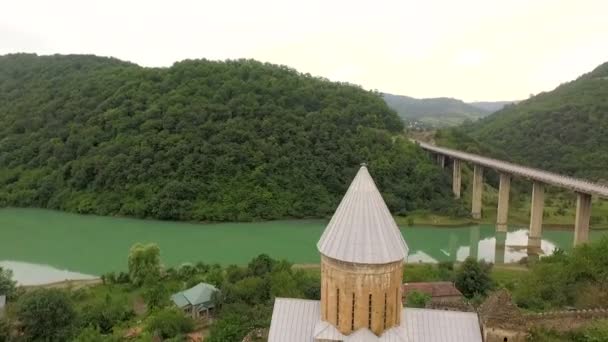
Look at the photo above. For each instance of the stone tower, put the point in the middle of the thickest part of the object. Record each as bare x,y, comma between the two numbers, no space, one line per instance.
362,254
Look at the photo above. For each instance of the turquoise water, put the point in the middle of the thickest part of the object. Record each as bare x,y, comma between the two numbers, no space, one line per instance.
45,246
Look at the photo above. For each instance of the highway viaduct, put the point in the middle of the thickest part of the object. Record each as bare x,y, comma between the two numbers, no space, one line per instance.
539,178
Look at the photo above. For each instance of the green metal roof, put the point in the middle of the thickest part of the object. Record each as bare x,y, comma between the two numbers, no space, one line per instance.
199,294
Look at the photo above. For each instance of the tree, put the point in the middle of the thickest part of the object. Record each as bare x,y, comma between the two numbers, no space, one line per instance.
7,284
156,295
261,265
473,277
46,315
170,322
144,263
255,141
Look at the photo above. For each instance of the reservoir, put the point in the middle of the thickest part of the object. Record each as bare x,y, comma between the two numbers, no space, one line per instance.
43,246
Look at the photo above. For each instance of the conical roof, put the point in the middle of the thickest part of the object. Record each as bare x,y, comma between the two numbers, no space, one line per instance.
362,229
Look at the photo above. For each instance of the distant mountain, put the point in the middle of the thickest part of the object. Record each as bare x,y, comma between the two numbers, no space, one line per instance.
491,106
441,111
564,130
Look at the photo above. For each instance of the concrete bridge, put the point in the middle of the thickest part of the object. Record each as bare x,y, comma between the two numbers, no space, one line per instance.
539,178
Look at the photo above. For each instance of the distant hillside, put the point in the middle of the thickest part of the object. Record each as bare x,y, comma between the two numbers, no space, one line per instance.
491,106
564,130
439,112
201,140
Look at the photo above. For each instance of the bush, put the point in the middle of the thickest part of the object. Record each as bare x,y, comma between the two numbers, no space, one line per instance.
473,278
46,314
91,334
103,316
170,322
7,284
5,330
416,299
156,295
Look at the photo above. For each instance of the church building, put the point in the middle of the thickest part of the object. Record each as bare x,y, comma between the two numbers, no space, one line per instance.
362,255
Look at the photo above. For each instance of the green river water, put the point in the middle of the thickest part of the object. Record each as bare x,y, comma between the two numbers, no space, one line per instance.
42,246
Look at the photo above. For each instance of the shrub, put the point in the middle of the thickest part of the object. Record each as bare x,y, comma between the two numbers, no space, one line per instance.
170,322
473,277
46,314
105,315
416,299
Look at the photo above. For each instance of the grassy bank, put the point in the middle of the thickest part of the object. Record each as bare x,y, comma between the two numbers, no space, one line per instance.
559,212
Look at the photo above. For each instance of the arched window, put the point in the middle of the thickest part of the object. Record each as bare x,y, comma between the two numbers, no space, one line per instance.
505,340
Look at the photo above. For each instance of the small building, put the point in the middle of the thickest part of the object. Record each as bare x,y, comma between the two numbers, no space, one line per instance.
196,301
440,291
2,305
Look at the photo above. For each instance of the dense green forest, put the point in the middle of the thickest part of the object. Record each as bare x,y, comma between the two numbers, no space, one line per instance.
201,140
564,130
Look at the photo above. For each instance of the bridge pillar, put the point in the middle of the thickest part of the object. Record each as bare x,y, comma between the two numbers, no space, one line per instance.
474,237
441,160
477,192
500,247
583,214
456,178
536,214
503,202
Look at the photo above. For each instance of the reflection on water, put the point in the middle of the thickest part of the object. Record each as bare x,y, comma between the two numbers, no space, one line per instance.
26,273
502,247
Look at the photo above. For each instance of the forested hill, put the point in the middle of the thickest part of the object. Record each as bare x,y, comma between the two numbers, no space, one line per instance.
439,112
201,140
564,130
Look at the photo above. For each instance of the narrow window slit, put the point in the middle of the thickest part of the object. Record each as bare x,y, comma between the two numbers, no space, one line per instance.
352,317
369,318
385,311
338,307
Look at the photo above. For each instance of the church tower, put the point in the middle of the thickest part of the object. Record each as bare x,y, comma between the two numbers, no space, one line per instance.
362,254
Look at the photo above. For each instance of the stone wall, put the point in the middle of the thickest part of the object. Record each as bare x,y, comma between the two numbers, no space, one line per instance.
348,289
565,320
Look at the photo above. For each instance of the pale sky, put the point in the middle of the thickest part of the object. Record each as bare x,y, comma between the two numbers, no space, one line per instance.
473,50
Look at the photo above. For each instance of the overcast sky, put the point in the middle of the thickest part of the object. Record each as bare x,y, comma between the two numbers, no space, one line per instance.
473,50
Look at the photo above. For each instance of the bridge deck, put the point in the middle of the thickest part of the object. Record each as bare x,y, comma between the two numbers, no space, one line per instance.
578,185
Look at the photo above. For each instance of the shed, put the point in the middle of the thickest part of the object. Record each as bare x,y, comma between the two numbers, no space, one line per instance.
196,301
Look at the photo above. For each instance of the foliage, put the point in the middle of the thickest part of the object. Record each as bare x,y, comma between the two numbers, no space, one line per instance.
104,315
46,314
237,320
596,332
416,299
91,334
201,140
563,130
5,329
144,263
261,265
7,284
578,279
156,294
170,322
473,277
